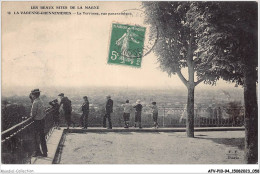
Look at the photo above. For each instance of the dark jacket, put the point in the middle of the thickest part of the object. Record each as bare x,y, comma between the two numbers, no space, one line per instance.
138,107
66,105
109,106
56,107
85,108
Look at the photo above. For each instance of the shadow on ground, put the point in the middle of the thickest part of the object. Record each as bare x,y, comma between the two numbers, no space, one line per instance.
139,132
124,133
234,142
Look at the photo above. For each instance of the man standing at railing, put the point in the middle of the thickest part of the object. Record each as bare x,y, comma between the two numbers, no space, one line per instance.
38,114
85,112
138,112
109,110
55,106
65,107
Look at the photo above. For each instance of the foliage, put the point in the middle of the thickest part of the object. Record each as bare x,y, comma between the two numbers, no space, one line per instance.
177,40
227,37
12,114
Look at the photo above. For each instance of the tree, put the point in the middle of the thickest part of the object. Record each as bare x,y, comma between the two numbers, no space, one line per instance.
213,40
228,38
176,47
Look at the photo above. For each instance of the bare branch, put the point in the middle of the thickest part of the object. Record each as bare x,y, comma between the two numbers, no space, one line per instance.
196,59
199,81
182,78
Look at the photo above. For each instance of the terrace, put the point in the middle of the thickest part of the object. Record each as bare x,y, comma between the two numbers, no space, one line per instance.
215,142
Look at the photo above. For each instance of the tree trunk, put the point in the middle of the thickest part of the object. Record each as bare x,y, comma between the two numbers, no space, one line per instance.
251,116
190,111
191,86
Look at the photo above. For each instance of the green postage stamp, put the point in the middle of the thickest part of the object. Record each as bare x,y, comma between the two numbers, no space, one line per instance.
126,45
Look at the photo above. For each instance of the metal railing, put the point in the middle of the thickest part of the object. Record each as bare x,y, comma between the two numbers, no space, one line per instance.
203,117
18,141
12,115
172,117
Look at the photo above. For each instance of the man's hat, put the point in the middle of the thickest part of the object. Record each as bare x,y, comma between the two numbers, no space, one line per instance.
85,97
109,96
61,94
35,91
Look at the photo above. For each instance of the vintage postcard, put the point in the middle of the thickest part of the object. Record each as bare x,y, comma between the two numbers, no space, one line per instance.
129,83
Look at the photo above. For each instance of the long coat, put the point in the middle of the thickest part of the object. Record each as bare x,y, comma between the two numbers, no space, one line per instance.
109,106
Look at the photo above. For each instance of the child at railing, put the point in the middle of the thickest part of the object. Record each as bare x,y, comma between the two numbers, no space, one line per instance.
127,109
155,114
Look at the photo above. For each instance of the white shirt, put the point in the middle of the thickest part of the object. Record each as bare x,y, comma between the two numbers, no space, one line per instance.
127,108
38,110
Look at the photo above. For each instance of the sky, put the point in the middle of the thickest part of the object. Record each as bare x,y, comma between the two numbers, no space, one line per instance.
71,50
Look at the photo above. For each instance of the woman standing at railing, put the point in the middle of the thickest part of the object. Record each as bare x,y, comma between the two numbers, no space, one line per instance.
38,113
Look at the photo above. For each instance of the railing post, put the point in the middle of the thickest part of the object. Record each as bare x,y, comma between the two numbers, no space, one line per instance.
198,118
233,118
217,116
163,114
